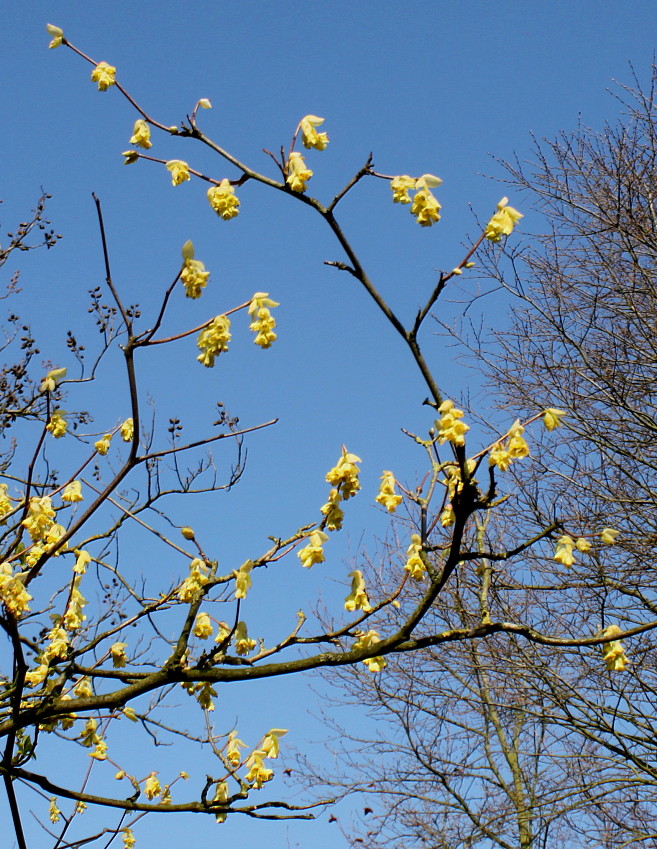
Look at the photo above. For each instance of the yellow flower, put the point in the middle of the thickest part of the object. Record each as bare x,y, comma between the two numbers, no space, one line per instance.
129,839
310,136
89,738
297,172
83,689
414,563
552,418
74,617
243,579
425,208
447,517
83,559
583,544
104,75
450,427
258,774
387,496
333,511
608,536
39,518
119,657
103,445
203,626
233,755
345,475
141,134
221,796
613,652
192,586
367,641
52,380
357,598
6,504
223,200
58,37
72,492
127,430
313,552
187,533
130,156
270,746
503,222
57,424
243,644
222,632
500,457
400,187
517,447
152,788
179,171
13,592
100,751
204,103
194,277
213,339
263,323
564,551
53,811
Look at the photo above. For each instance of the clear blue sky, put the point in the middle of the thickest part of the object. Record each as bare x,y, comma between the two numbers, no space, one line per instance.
437,87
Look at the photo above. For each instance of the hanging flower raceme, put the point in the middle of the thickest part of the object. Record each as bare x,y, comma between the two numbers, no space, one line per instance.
450,427
333,512
72,492
223,200
424,205
141,134
51,381
213,339
233,754
127,430
387,496
563,552
314,551
613,652
503,222
13,593
104,75
243,643
243,579
400,188
263,323
39,519
103,445
425,208
203,626
310,137
552,418
258,773
57,424
193,274
192,586
367,641
74,617
6,504
414,563
298,172
179,171
608,536
357,598
345,474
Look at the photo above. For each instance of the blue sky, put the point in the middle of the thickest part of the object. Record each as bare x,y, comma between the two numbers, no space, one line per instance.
440,87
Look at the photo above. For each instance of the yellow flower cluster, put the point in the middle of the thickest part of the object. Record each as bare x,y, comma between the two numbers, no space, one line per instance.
152,788
258,773
313,552
74,617
127,430
344,479
203,626
613,653
51,381
414,563
357,598
243,579
367,641
387,496
6,504
223,200
39,519
243,643
213,339
565,547
552,418
104,75
118,655
192,586
449,425
57,424
103,445
194,277
424,205
502,222
179,171
503,454
298,172
13,592
263,323
141,134
72,492
310,136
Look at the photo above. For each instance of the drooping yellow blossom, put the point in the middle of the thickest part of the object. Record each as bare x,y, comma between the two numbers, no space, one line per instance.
54,534
51,381
103,445
36,676
213,339
57,424
221,796
152,788
345,474
298,172
89,738
127,430
194,277
314,551
84,688
72,492
583,544
425,208
367,641
118,655
141,134
400,187
270,746
500,457
233,755
613,652
39,518
83,560
223,200
129,840
192,586
552,418
222,632
263,323
243,644
104,75
503,222
54,813
6,504
57,646
387,496
204,693
310,137
203,626
447,517
58,37
80,807
179,171
100,751
414,563
564,551
130,714
204,103
258,773
13,592
517,447
243,579
357,598
450,427
74,617
333,512
608,536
